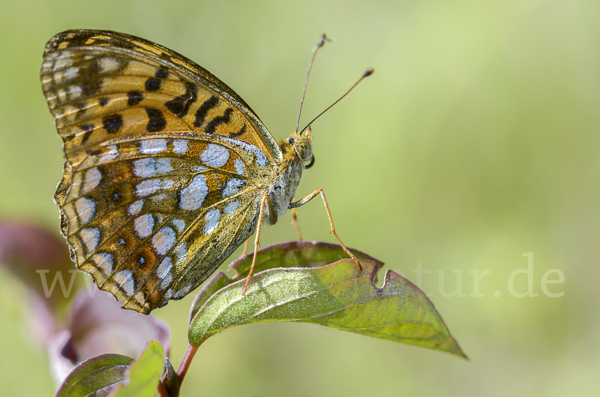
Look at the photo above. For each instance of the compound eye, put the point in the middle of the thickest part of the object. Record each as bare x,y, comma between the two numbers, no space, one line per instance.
312,162
291,140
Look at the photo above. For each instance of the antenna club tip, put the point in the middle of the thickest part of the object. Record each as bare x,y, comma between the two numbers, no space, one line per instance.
322,40
369,72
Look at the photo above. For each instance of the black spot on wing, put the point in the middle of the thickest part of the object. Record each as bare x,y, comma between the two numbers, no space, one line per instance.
161,73
134,97
181,104
90,77
112,123
117,196
156,120
87,129
103,101
152,84
214,123
203,110
240,132
166,56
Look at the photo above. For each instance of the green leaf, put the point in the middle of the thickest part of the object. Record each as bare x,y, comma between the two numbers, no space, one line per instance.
289,254
144,374
96,376
338,295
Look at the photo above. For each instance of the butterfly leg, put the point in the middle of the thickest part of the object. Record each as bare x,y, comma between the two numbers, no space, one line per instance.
306,199
245,248
260,219
295,222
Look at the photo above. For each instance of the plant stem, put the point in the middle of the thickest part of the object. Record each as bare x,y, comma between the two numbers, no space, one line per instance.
185,363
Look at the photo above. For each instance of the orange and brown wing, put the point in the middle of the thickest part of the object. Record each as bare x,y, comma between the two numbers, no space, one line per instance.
102,85
157,189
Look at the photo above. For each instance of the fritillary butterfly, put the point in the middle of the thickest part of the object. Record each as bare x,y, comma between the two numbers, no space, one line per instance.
167,169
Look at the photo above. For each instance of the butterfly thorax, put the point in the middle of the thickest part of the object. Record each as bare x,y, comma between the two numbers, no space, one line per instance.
296,150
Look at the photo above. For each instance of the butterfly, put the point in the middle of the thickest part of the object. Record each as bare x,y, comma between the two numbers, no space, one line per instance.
167,169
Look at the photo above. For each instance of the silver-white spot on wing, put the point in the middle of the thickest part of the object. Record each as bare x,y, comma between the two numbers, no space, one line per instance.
229,208
85,208
212,220
110,155
215,155
179,224
153,146
163,165
143,225
124,279
147,187
164,268
90,238
135,207
192,197
108,65
104,261
232,186
92,179
180,251
239,167
144,168
150,167
180,146
163,240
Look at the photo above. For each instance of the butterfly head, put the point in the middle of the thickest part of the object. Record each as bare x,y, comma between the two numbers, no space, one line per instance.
297,156
301,146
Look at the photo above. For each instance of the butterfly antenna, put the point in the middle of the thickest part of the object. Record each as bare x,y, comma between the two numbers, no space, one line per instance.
369,72
320,44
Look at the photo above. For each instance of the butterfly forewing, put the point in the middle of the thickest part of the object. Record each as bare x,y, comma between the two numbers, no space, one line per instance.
99,84
157,189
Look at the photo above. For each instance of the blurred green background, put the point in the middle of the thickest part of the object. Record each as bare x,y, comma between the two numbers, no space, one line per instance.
475,141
